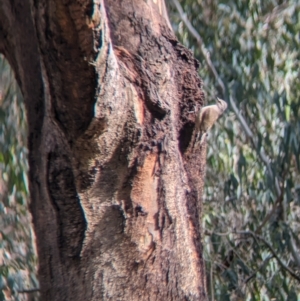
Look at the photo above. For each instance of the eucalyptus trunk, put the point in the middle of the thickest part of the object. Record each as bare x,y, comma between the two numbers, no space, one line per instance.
115,185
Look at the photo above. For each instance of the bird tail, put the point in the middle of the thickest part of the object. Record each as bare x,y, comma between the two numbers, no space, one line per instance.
199,138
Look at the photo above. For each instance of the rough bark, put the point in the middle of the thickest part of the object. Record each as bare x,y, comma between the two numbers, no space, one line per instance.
115,188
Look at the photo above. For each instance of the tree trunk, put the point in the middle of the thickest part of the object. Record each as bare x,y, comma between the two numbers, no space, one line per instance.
115,187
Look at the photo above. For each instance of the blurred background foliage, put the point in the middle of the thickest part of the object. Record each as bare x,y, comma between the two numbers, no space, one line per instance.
250,56
18,261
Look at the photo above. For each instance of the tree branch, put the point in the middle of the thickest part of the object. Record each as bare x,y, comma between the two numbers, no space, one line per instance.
201,44
281,263
265,262
269,215
261,152
222,86
29,291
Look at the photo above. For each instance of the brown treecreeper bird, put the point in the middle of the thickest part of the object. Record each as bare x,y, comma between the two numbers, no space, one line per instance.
207,116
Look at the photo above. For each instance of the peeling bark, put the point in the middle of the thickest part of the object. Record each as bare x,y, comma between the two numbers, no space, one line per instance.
115,188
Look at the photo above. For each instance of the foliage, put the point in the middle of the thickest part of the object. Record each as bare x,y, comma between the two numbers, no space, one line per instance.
251,210
17,254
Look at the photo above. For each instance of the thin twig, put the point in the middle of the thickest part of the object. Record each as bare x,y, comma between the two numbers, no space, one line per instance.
210,233
261,152
281,263
222,86
270,214
260,268
29,291
202,47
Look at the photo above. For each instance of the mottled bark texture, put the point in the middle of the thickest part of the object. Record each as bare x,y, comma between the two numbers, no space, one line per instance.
115,188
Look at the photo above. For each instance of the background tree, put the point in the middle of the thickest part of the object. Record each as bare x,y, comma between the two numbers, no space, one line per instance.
17,252
115,190
250,55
